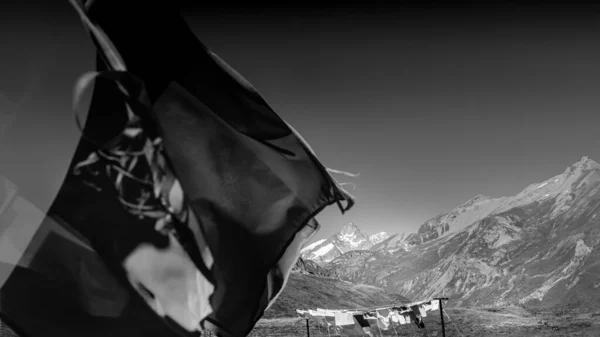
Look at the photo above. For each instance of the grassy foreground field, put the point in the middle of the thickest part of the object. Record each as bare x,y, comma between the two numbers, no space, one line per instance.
512,321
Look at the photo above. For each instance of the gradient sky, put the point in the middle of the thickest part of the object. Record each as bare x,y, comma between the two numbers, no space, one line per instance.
431,106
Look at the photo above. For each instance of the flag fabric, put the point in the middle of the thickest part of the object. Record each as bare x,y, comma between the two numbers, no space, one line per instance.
53,283
8,192
8,111
190,219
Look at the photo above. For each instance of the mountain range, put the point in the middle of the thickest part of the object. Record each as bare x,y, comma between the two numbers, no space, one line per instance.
350,238
537,248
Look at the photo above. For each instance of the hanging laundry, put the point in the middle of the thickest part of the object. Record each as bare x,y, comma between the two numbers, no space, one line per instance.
399,314
395,318
348,324
319,317
329,316
316,313
422,310
435,305
363,323
344,318
326,311
415,315
302,313
371,318
383,318
401,318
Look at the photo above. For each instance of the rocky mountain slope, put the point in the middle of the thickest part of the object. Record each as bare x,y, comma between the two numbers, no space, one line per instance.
348,239
305,291
540,247
303,266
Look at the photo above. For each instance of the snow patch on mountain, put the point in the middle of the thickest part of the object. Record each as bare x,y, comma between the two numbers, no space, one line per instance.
312,245
348,239
323,250
379,237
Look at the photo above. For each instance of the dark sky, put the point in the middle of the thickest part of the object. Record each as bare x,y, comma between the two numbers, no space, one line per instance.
430,104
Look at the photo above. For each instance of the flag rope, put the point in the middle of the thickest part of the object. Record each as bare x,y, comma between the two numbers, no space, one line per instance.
382,308
398,306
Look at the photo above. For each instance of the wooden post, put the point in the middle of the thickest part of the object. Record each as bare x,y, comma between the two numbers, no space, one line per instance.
442,314
307,329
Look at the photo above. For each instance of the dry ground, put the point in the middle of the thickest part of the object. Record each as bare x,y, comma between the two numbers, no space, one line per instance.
513,322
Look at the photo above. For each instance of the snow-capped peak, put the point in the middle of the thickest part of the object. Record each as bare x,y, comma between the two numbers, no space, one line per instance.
352,237
377,238
349,229
348,239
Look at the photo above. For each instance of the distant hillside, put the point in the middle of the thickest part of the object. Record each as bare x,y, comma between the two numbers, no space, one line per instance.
304,291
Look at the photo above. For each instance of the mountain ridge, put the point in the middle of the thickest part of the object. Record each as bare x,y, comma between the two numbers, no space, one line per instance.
481,206
348,239
538,247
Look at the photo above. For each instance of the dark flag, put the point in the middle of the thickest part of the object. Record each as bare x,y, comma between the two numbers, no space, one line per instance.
53,283
195,195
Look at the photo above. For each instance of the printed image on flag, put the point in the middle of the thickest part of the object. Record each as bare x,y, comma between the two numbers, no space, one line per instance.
185,205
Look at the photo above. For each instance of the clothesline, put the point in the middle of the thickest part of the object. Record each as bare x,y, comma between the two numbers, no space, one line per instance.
381,308
359,321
